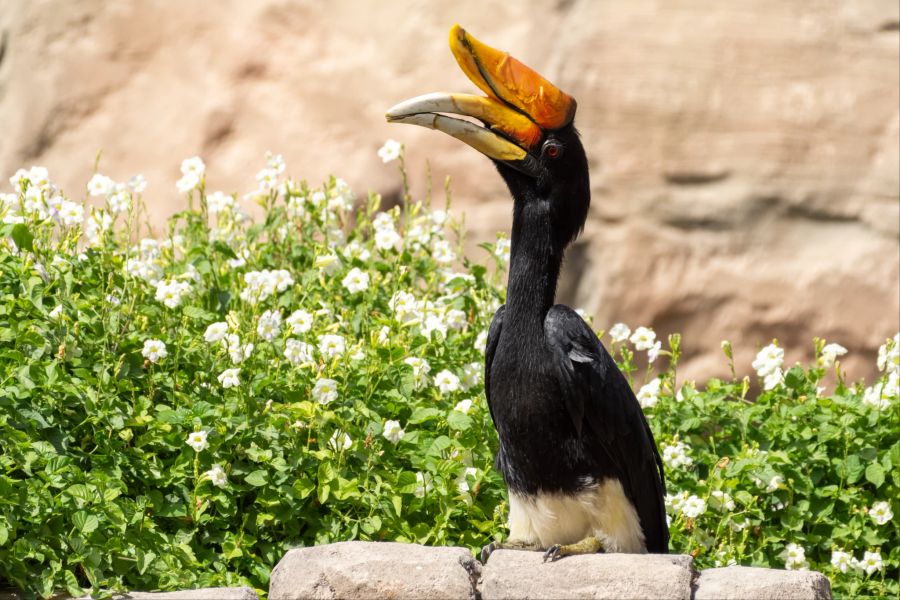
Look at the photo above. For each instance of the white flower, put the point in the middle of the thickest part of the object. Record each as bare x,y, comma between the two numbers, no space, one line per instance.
502,249
889,355
267,179
653,352
442,252
269,325
871,562
39,176
795,557
446,381
434,322
217,202
675,455
119,201
404,306
643,338
773,379
154,350
420,368
830,354
383,220
197,441
138,183
693,507
462,482
774,483
327,263
57,312
356,281
193,166
299,321
722,500
423,481
325,391
768,361
384,335
471,375
881,512
230,378
390,151
456,319
71,213
237,352
169,292
259,285
217,476
392,431
331,345
216,332
298,352
355,250
481,341
387,239
100,185
619,332
463,406
842,561
187,183
340,441
648,395
876,397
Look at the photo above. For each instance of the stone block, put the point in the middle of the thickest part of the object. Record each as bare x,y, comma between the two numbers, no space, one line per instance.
514,574
738,583
375,570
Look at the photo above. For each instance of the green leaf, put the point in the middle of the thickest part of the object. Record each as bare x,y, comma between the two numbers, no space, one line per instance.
195,312
303,486
794,378
85,522
23,238
420,415
72,585
4,534
144,559
875,474
257,478
458,420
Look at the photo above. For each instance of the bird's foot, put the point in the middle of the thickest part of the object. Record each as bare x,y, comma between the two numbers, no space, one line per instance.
588,545
512,545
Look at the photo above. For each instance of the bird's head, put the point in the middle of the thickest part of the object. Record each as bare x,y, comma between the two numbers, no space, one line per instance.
526,129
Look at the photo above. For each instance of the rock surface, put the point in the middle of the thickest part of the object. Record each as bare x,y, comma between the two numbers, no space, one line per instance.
512,574
744,157
375,570
749,583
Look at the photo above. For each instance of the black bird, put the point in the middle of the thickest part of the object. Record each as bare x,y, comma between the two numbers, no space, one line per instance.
578,457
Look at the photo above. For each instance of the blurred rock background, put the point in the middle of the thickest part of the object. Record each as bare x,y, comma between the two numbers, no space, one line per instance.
745,155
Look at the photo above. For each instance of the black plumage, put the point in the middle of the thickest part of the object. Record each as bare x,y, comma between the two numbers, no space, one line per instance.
564,413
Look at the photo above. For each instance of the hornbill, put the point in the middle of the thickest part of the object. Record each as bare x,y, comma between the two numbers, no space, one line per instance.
575,450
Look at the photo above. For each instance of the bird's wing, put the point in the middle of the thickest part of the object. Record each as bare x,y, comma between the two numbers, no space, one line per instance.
489,350
602,405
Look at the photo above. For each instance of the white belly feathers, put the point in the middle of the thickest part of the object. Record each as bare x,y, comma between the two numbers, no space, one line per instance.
601,510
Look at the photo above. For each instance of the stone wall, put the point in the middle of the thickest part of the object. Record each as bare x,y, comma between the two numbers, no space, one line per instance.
361,570
744,156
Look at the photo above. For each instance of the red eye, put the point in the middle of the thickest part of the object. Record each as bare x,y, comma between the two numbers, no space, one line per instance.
553,151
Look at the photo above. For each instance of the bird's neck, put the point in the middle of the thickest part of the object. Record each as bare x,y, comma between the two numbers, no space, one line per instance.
535,262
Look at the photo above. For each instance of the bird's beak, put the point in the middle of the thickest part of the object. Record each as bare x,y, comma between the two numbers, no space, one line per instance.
520,106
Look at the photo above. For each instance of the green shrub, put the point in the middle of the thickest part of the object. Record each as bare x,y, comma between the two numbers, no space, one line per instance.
180,412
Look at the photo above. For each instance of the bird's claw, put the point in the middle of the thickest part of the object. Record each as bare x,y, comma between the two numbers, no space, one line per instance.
486,552
552,553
